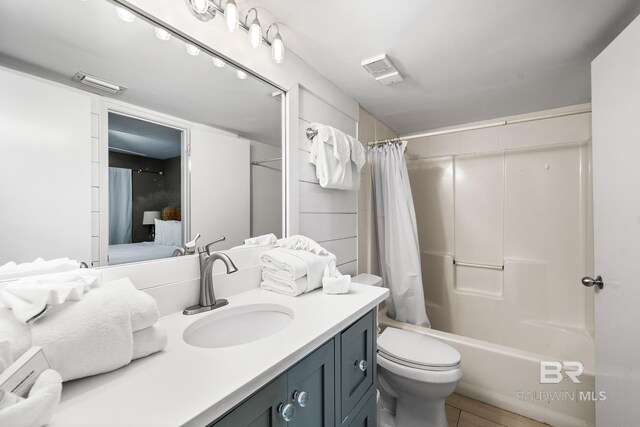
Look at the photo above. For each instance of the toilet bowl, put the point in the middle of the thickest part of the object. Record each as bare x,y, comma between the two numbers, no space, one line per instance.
415,375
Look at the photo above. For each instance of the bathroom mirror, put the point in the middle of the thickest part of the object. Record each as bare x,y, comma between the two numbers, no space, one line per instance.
121,141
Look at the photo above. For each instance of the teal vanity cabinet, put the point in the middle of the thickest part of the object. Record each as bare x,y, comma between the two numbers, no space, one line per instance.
334,386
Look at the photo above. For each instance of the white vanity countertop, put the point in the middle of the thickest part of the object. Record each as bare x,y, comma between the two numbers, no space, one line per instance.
186,385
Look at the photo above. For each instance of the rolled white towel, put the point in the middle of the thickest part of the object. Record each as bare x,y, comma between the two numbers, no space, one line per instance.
142,306
37,409
336,285
30,296
148,341
11,270
88,337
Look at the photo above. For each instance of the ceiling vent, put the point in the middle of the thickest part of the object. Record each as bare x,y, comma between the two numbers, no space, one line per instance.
382,69
98,83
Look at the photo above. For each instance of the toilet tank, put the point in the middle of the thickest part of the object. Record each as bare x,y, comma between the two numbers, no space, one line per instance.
367,279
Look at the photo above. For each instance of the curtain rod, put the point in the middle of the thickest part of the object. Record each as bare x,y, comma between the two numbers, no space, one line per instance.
488,125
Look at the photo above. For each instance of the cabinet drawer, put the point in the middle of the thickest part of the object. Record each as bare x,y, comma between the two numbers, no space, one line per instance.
357,363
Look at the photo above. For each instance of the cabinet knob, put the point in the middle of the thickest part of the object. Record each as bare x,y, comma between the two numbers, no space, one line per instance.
301,398
362,365
287,411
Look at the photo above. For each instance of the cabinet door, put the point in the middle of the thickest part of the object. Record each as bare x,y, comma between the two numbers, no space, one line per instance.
368,415
314,376
260,410
357,363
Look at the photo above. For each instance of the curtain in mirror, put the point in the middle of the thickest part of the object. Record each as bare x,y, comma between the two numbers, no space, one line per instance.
120,220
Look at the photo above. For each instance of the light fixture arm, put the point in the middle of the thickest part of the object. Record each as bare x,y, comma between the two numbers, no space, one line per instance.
246,17
266,34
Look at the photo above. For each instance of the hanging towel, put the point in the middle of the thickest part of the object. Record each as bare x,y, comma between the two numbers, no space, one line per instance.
30,296
38,408
338,158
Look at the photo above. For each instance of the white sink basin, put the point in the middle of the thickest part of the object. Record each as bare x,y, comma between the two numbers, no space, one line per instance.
238,325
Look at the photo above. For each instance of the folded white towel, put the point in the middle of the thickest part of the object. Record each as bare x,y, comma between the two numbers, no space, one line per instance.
148,341
336,285
88,337
142,306
11,270
17,333
265,239
294,272
301,243
30,296
39,407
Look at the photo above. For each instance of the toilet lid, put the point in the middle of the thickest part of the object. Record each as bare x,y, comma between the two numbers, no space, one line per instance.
417,350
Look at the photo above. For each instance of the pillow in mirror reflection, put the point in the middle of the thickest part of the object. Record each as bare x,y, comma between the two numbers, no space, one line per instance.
172,213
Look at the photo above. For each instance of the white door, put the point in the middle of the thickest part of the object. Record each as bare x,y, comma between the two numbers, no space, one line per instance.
616,187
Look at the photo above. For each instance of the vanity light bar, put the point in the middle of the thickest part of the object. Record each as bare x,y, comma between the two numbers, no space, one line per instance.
98,83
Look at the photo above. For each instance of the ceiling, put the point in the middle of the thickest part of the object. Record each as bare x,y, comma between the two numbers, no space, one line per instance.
56,39
142,138
463,60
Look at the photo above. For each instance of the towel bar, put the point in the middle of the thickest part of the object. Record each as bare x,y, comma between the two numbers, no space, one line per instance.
470,264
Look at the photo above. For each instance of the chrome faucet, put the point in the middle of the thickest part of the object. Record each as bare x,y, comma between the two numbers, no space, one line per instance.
207,297
189,248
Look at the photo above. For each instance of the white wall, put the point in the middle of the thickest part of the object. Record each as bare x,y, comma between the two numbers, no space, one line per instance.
45,170
220,187
328,216
266,190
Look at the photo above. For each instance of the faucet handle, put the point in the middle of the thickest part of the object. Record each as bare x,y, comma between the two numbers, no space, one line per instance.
206,247
190,246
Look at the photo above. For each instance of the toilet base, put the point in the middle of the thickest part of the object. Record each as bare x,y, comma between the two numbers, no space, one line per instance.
413,413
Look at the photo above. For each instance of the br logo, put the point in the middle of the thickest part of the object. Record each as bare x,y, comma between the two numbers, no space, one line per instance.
552,372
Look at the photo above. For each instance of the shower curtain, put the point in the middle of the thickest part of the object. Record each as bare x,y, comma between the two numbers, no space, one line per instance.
119,206
397,234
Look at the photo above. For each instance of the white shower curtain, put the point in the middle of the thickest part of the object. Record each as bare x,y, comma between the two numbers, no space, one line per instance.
119,206
397,234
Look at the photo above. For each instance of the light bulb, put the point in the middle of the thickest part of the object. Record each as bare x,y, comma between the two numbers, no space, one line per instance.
218,62
200,6
125,15
277,49
192,50
241,74
255,34
231,15
162,34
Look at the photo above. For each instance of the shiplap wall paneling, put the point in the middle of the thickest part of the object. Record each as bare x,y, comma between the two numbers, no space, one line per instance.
328,216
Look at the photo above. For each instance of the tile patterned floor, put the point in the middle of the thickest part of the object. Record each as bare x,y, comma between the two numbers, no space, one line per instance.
466,412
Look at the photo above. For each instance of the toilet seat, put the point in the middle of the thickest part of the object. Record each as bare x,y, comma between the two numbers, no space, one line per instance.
417,351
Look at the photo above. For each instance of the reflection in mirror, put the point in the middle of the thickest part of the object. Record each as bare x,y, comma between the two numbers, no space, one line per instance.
121,141
145,215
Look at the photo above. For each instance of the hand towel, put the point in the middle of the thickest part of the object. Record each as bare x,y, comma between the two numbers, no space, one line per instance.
88,337
281,285
148,341
12,271
142,306
30,296
39,407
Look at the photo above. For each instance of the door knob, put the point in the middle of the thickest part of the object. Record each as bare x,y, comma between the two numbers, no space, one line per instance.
287,411
589,282
301,398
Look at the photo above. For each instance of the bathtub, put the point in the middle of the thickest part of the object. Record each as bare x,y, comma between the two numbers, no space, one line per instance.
509,378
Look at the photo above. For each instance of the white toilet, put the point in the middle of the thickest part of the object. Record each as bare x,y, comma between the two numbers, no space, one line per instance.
416,373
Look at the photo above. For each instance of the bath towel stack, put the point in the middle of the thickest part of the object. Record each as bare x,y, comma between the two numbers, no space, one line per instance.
99,330
298,265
